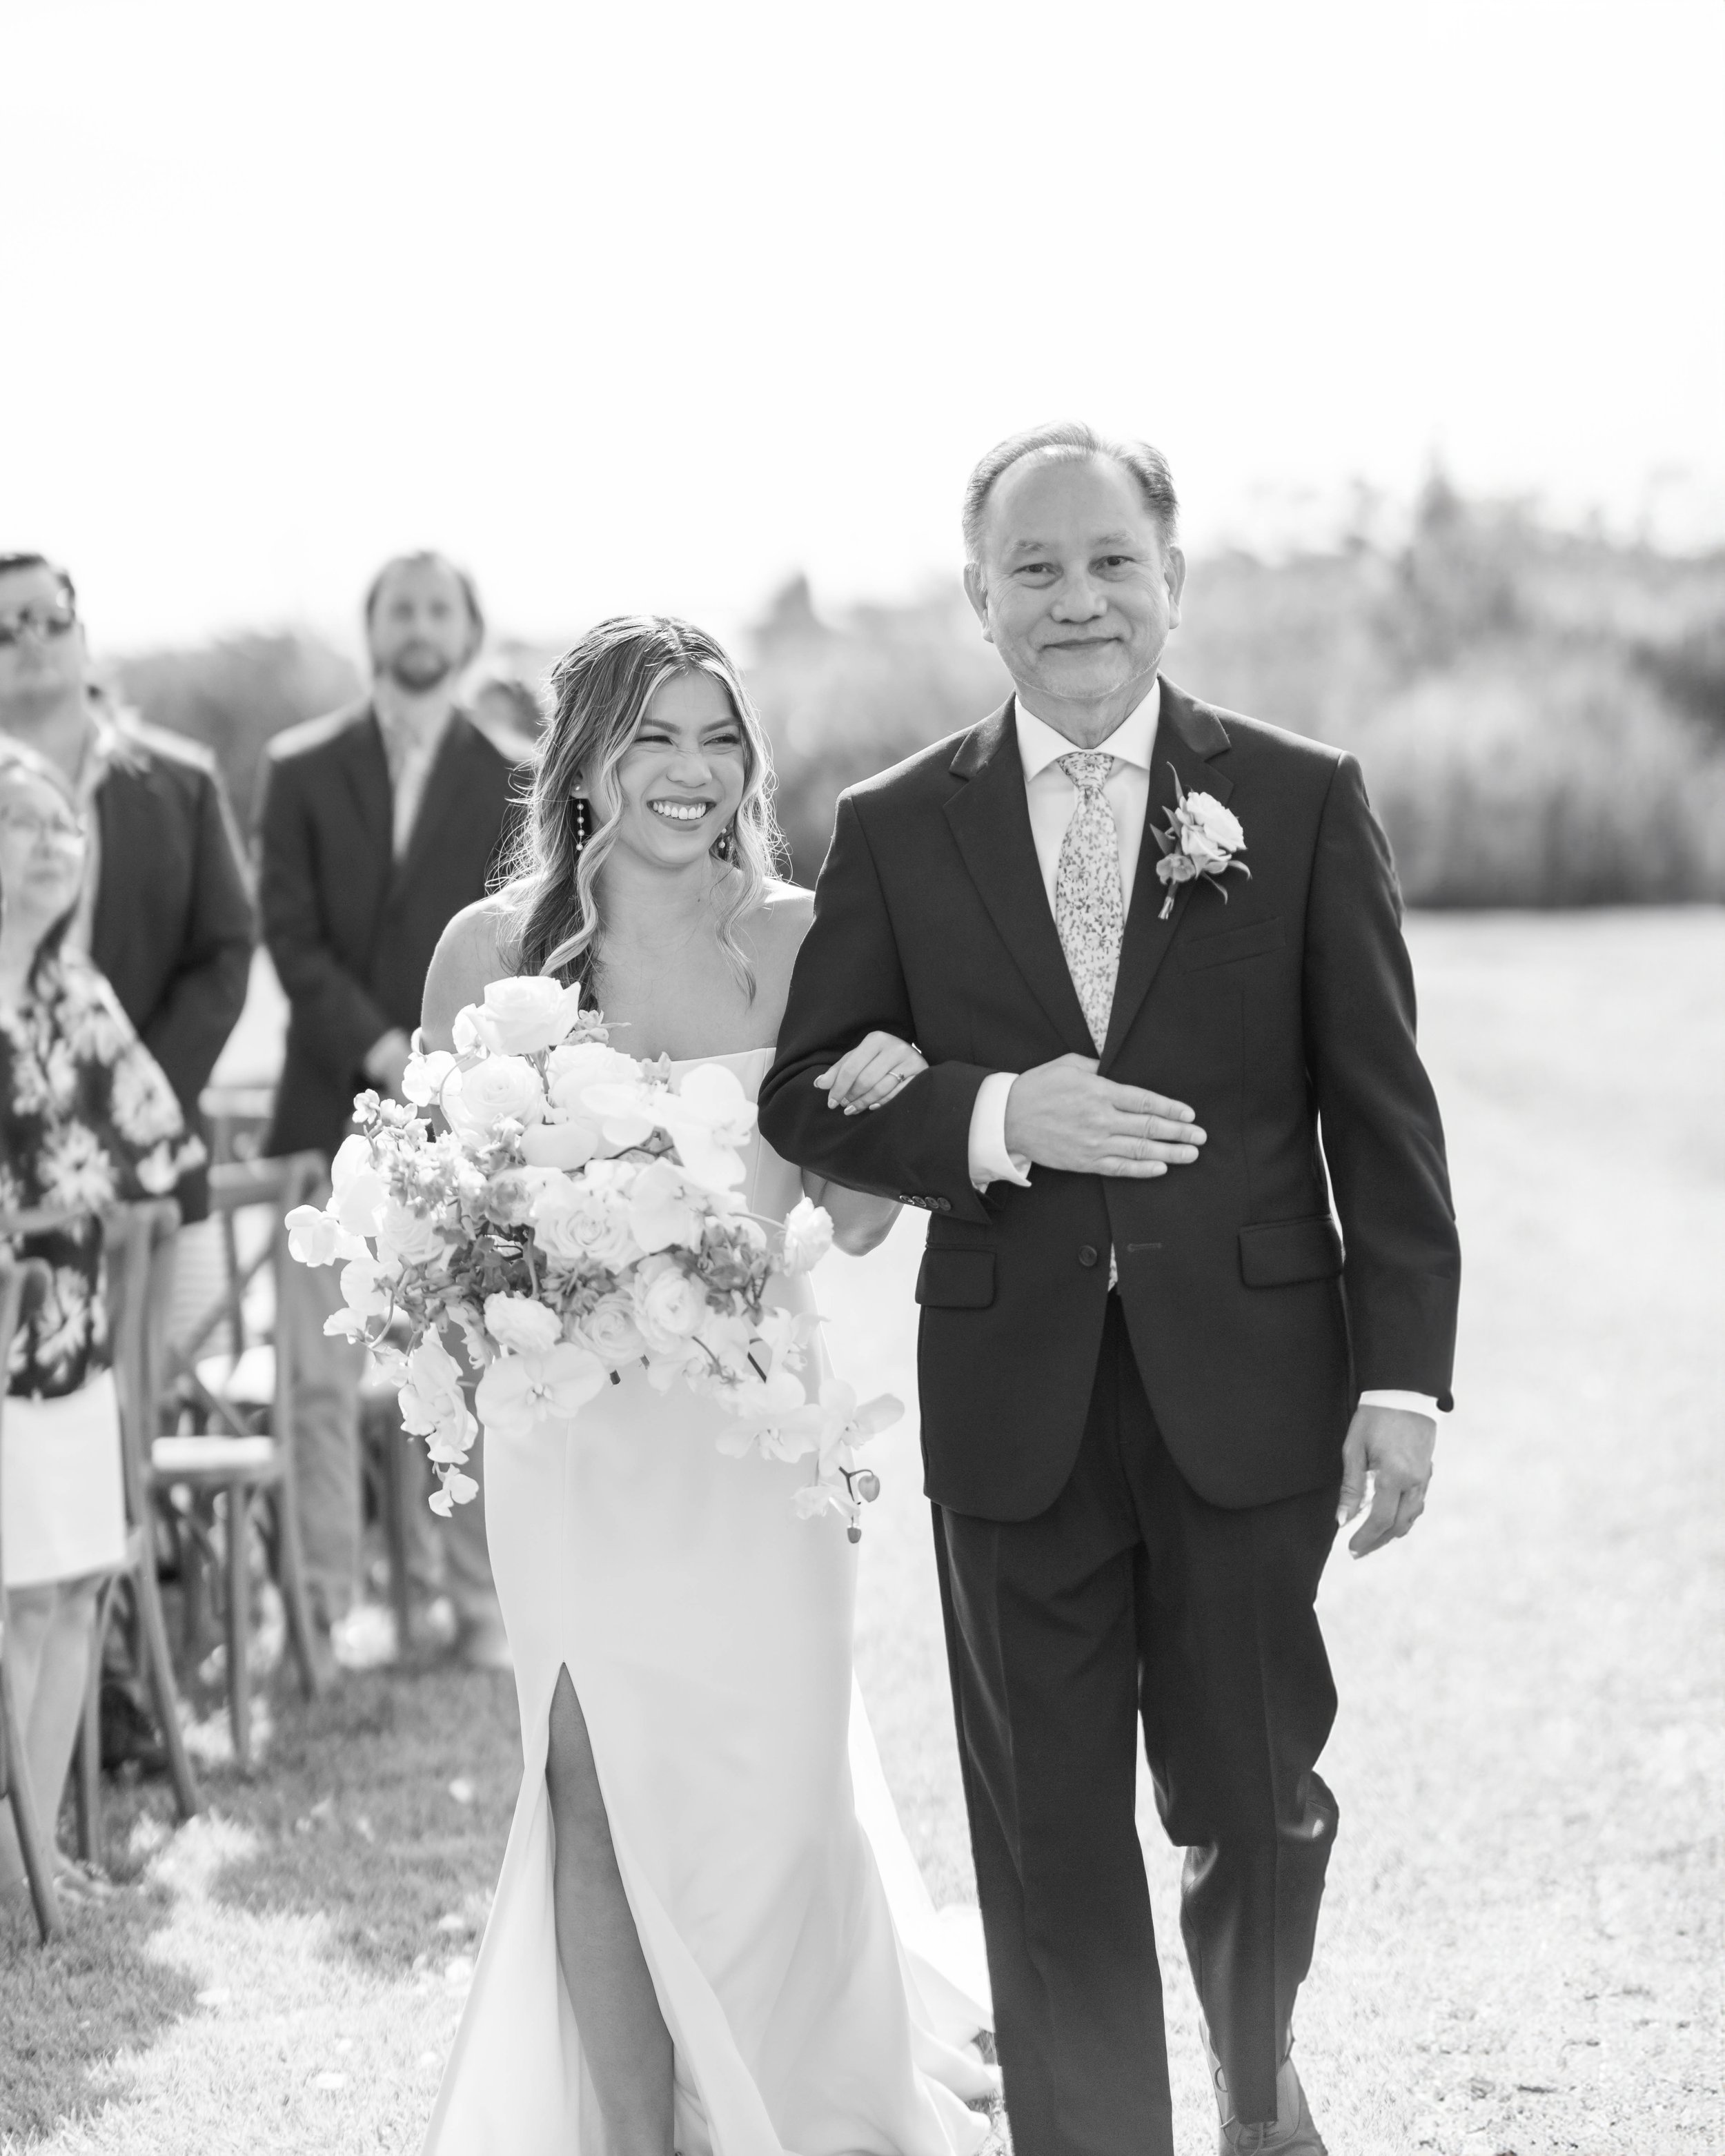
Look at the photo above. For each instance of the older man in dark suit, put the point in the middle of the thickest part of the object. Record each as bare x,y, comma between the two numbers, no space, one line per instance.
377,825
165,912
1151,1370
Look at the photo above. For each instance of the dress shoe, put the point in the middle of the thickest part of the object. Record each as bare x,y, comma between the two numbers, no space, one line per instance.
1291,2133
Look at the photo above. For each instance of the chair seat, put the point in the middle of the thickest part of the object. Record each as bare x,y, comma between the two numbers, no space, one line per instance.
248,1382
214,1458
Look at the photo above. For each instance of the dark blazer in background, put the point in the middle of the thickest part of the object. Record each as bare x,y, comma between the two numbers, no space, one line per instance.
1254,1323
351,930
173,928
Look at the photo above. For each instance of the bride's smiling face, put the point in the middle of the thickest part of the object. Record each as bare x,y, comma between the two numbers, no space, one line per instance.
683,777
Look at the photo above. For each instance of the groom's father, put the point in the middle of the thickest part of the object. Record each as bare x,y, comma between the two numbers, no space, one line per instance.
1150,1363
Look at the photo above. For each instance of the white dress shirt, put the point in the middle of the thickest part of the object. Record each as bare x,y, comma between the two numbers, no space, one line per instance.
1052,798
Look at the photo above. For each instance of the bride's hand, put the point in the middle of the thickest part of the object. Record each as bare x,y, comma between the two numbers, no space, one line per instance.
874,1072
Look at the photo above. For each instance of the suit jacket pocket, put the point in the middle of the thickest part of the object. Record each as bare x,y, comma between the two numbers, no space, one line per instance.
1228,944
1279,1253
956,1280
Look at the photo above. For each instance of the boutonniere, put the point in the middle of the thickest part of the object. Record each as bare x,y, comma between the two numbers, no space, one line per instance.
1202,839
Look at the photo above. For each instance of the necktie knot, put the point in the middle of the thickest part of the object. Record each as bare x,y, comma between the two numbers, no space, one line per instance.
1088,769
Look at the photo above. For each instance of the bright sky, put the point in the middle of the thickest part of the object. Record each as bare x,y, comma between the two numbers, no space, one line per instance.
647,305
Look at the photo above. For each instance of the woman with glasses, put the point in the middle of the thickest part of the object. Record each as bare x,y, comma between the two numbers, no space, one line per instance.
87,1120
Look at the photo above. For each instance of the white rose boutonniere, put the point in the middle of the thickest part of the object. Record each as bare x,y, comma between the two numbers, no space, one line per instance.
1202,839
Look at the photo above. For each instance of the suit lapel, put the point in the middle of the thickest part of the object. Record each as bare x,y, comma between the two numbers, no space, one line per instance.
447,786
991,825
1187,735
366,769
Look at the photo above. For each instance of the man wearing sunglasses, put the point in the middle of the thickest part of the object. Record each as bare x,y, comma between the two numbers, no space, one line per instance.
164,911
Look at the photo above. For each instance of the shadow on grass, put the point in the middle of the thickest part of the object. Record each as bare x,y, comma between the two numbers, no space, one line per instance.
66,2009
383,1808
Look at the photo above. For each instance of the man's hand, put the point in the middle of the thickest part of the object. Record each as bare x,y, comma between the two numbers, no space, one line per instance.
386,1060
1061,1115
1394,1447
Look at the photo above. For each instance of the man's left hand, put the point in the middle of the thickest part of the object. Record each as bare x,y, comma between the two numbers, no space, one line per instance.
1394,1447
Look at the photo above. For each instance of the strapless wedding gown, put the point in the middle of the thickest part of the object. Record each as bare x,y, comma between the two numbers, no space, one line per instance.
816,2006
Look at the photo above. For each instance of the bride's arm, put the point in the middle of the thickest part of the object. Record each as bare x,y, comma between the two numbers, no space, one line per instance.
860,1222
468,958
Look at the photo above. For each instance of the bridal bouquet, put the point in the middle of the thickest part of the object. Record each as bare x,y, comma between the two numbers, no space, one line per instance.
578,1214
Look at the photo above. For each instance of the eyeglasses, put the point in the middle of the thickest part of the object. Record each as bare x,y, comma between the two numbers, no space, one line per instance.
26,824
43,622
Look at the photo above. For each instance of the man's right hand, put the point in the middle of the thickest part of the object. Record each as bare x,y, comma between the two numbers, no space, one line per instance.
1061,1115
386,1060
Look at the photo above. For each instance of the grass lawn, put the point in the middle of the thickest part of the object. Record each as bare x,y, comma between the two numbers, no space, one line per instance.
1521,1944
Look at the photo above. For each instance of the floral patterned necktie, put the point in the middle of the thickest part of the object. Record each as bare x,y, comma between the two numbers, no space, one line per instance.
1090,912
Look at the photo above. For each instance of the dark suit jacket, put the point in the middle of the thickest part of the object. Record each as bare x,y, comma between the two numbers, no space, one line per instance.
1291,1004
173,918
351,930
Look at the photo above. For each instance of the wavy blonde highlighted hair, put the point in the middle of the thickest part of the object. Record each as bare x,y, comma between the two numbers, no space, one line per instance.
602,687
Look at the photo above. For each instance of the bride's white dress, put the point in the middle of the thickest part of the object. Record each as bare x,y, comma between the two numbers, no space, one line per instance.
817,2004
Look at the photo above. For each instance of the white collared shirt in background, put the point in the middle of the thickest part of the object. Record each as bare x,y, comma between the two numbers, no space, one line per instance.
410,753
1052,799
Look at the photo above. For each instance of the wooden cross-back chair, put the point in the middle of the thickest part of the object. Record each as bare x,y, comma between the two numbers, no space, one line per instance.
139,1245
229,1395
21,1281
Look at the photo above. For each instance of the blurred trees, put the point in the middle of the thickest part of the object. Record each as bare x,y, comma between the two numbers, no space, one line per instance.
1540,714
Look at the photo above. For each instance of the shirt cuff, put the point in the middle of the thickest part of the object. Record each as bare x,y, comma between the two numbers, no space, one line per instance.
1410,1403
990,1160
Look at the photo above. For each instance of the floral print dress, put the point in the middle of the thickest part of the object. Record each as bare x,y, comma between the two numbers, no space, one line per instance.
87,1120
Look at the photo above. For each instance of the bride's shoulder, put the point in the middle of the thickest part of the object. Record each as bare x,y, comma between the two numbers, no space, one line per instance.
475,949
782,919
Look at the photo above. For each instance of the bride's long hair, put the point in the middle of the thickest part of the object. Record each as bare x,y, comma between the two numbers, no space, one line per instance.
602,685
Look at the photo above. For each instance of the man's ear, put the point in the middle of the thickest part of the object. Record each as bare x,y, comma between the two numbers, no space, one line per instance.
977,591
1173,571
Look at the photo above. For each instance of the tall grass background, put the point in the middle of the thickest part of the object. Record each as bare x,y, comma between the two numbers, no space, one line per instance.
1540,712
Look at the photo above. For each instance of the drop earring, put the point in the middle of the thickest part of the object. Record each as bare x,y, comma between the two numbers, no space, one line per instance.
580,822
724,845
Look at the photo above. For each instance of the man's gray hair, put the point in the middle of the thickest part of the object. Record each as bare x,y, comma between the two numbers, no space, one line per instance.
1067,441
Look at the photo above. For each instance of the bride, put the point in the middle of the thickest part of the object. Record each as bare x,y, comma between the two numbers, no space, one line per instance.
687,1848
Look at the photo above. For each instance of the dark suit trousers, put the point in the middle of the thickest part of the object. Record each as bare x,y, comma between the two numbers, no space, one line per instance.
1132,1597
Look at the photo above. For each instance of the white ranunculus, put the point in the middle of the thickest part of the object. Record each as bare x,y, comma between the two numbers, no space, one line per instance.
569,1071
808,1236
669,1305
526,1014
521,1325
520,1394
502,1088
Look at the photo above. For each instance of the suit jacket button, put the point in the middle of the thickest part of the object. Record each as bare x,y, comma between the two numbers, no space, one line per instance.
1087,1254
942,1204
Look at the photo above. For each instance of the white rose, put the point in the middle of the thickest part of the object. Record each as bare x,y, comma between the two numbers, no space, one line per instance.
580,1223
518,1324
1218,825
524,1015
501,1088
808,1236
571,1070
1200,848
408,1237
610,1330
669,1306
